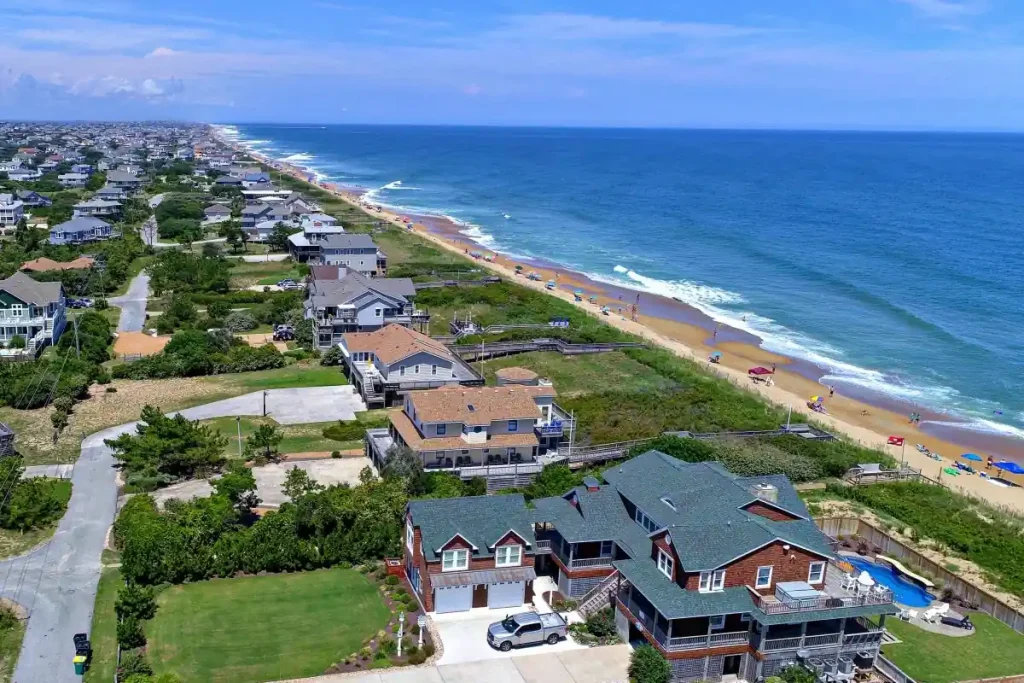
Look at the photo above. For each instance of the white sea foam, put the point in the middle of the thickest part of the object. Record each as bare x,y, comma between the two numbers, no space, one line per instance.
983,426
620,269
301,156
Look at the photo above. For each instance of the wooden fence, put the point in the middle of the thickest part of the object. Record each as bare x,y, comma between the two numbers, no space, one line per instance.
837,527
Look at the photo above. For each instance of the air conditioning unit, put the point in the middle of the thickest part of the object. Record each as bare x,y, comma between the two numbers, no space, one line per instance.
816,665
864,660
845,665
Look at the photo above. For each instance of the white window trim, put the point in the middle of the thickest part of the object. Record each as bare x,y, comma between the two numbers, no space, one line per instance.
810,572
718,580
454,556
665,563
705,582
757,577
506,551
409,536
717,622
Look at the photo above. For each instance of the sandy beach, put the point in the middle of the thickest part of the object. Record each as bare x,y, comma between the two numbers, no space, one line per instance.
867,424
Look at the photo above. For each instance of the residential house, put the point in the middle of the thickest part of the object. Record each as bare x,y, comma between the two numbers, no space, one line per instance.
99,208
128,182
341,300
12,210
227,181
34,311
25,174
111,194
80,230
722,574
305,246
7,166
356,252
494,432
262,231
478,551
260,192
31,198
256,178
394,359
84,169
72,180
253,214
216,213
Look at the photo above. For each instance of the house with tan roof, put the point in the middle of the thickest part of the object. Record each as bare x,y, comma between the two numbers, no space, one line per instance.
494,432
394,359
45,265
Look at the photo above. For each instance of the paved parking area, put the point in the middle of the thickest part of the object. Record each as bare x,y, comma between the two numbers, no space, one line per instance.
270,479
288,406
464,635
586,665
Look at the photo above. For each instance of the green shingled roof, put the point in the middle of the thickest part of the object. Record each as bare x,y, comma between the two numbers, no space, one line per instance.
481,520
676,603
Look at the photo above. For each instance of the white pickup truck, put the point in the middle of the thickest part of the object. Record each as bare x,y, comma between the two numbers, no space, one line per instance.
527,628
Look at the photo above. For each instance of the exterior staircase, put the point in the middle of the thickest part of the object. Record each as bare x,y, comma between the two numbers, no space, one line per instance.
598,597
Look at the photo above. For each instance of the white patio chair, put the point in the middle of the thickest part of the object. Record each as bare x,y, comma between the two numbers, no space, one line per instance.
930,614
911,614
849,581
942,610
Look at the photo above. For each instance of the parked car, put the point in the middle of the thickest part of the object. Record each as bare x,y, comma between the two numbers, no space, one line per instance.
527,628
284,333
288,283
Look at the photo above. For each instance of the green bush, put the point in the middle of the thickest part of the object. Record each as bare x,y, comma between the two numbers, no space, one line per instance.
391,580
602,623
240,321
647,665
134,664
353,430
35,503
795,673
129,634
135,601
388,646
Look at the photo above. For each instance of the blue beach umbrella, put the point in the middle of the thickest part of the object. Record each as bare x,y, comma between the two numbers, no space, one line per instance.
974,457
1011,467
716,354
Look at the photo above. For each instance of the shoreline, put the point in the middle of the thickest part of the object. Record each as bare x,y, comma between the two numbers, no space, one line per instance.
686,332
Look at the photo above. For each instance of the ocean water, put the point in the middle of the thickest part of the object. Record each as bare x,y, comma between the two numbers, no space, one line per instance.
892,261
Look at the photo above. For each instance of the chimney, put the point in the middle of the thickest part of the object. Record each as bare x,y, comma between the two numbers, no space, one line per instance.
767,492
591,483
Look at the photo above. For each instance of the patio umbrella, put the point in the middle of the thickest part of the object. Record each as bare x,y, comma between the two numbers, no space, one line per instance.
1011,467
973,457
865,579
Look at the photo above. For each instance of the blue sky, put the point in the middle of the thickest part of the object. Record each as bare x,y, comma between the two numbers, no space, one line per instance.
889,64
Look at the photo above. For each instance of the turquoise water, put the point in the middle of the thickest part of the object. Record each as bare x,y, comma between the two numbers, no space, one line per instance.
891,262
905,591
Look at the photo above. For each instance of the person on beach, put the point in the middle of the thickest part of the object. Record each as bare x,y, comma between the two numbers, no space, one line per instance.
831,391
714,334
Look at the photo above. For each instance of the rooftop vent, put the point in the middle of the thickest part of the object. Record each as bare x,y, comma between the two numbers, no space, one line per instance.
766,491
591,483
472,408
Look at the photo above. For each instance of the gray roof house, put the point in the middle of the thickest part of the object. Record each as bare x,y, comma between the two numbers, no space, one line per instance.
356,251
32,310
341,300
80,230
125,180
724,575
98,207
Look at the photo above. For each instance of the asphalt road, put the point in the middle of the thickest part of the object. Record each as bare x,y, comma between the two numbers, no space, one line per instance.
133,304
56,583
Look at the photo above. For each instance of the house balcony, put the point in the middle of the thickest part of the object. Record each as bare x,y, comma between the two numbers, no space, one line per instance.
581,555
849,634
558,424
659,629
833,595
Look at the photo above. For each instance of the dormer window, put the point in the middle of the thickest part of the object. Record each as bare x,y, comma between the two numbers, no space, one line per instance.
665,563
711,582
646,522
508,556
454,560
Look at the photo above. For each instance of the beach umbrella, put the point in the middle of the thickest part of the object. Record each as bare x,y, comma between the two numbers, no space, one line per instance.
973,457
1011,467
578,291
816,399
716,354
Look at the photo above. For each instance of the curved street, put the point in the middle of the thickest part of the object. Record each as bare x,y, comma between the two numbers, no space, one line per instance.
56,583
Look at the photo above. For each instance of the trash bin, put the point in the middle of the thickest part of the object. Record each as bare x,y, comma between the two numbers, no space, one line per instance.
79,665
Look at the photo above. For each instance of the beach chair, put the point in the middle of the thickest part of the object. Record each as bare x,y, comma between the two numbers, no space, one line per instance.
911,614
930,615
942,610
849,582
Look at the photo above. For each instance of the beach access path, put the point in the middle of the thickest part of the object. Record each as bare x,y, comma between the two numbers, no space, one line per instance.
56,582
133,304
795,393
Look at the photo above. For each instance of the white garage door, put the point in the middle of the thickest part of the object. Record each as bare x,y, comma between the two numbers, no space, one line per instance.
454,599
505,594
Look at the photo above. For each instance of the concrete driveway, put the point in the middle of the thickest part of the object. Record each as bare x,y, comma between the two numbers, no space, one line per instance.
464,635
133,304
270,479
288,406
587,665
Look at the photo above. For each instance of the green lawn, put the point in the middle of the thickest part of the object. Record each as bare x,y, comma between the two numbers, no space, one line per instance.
17,542
104,628
297,438
291,376
263,628
10,647
579,374
264,273
994,650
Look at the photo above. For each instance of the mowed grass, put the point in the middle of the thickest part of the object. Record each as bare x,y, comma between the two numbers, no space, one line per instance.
581,374
244,274
10,647
298,375
995,650
103,633
13,542
297,438
263,628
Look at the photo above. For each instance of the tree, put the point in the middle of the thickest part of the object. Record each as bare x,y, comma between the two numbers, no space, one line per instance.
263,442
796,674
298,483
554,480
647,665
96,181
278,239
129,634
403,463
134,600
173,446
238,485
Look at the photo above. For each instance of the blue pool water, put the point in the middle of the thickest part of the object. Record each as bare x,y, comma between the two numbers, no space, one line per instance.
907,592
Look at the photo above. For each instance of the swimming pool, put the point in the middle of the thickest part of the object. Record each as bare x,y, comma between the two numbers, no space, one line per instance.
906,592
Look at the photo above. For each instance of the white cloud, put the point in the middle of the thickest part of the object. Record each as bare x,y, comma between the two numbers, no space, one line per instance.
162,52
947,9
585,27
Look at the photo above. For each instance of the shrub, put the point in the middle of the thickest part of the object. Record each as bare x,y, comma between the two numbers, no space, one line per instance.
647,665
353,430
391,580
135,601
134,664
796,674
365,654
602,623
428,650
388,646
111,390
8,619
335,454
417,658
129,634
240,321
34,503
331,357
101,305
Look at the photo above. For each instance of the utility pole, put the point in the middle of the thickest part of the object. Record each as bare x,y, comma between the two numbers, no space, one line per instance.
264,404
78,351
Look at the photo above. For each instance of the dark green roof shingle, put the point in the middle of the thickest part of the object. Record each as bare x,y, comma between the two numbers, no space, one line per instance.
675,603
481,520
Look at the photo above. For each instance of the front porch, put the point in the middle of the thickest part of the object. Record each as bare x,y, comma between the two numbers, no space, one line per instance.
854,633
